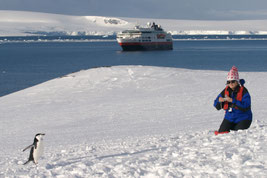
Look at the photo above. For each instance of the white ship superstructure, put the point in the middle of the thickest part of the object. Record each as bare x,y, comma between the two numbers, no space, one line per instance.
152,37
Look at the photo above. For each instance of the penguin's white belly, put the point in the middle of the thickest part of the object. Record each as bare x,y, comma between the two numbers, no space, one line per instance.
37,153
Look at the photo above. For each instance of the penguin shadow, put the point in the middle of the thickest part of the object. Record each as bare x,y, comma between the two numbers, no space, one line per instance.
68,162
126,154
95,157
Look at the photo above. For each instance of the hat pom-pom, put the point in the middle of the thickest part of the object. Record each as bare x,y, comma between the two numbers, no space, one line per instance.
242,82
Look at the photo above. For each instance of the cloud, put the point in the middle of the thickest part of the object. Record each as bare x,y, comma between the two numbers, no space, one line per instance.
238,14
250,13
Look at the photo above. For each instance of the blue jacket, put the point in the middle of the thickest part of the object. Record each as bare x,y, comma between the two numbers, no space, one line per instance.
238,110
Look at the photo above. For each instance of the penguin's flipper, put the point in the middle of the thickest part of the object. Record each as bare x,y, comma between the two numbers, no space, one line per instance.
30,146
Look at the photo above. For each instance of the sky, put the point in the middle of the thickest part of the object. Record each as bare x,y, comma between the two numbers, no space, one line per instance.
164,9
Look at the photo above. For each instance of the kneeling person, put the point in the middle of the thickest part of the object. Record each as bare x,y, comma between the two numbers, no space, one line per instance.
236,102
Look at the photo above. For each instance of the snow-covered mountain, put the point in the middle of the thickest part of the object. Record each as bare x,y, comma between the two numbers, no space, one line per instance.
132,121
21,23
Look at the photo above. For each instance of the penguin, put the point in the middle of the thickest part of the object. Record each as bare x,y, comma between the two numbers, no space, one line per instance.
37,148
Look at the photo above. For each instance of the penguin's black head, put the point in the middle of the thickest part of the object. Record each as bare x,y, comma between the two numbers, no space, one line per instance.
39,136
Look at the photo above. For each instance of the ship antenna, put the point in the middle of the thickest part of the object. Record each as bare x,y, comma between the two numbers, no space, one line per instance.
136,26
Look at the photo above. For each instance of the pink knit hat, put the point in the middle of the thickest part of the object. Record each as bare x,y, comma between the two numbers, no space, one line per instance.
233,74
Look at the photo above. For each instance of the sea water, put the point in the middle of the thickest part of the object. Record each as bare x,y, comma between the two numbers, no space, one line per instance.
27,61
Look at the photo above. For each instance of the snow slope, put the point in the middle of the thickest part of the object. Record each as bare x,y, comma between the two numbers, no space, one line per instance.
132,121
22,23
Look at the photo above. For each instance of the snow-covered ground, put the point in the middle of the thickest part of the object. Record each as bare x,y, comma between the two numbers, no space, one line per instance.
132,121
22,23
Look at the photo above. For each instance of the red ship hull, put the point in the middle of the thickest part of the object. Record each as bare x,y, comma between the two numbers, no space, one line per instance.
137,46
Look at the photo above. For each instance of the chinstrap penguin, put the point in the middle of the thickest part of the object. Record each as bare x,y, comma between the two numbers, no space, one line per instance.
37,148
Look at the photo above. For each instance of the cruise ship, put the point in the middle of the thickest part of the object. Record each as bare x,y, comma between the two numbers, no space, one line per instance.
152,37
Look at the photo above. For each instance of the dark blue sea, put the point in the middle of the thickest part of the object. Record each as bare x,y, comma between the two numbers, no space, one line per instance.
27,61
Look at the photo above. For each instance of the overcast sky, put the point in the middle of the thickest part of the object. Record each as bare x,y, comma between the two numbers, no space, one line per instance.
170,9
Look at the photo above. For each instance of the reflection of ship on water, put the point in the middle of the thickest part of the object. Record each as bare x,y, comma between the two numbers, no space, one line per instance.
152,37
